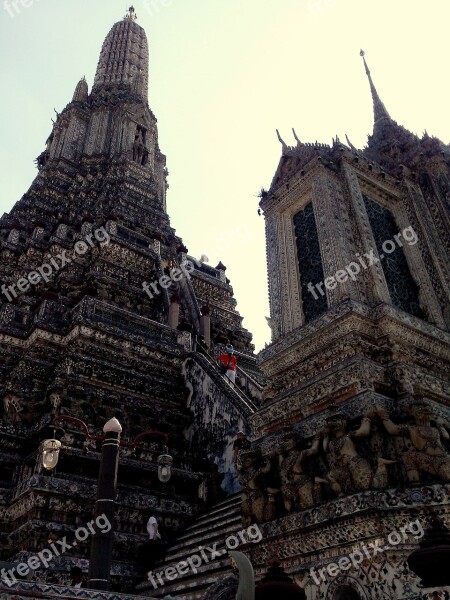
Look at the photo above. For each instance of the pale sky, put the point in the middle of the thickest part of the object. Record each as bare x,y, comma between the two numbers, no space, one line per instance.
224,74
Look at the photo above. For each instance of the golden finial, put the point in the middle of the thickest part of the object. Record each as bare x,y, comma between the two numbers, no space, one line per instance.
131,14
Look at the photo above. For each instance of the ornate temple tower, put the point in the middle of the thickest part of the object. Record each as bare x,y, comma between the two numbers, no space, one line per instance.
352,439
101,309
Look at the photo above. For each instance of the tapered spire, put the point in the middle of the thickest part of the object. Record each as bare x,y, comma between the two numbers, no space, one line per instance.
81,91
379,110
124,57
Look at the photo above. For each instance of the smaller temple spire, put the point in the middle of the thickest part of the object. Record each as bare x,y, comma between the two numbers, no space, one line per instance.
379,110
81,91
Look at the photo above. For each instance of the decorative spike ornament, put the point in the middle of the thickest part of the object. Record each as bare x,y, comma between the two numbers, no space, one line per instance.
350,144
379,110
295,137
283,143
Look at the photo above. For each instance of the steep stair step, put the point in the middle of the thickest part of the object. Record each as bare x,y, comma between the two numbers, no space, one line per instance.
213,527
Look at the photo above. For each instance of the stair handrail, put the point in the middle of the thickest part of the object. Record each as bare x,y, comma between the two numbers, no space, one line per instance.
251,406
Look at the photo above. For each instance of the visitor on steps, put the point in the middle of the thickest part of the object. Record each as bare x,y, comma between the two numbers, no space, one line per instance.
227,363
154,546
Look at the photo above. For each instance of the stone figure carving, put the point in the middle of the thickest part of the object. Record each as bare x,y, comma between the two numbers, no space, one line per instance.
257,498
296,485
140,152
55,401
13,407
278,479
349,471
427,454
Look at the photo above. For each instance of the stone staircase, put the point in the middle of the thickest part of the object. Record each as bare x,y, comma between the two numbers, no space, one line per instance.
214,527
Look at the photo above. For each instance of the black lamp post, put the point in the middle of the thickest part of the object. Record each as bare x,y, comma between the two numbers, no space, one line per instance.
101,546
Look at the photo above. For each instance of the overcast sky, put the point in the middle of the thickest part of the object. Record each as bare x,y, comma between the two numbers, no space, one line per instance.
224,74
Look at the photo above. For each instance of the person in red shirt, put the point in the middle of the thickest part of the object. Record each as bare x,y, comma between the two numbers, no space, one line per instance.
227,363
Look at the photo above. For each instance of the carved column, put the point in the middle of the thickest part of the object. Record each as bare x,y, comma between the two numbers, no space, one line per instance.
174,312
205,325
380,289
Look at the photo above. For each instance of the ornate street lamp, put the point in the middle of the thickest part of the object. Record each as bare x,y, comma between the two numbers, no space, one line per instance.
164,462
51,447
105,505
50,453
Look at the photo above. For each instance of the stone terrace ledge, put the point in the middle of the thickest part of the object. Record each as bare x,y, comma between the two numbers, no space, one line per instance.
24,590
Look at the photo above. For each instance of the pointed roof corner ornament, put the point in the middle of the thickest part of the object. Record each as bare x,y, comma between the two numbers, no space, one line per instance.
296,138
131,14
349,142
336,140
379,110
283,143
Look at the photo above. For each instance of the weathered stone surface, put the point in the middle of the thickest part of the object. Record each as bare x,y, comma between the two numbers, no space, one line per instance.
82,337
352,441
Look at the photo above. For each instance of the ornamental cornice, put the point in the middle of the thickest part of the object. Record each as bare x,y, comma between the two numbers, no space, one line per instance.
382,311
133,497
391,503
378,179
378,190
336,537
357,377
210,280
386,312
27,589
322,341
141,347
333,346
301,333
297,186
292,384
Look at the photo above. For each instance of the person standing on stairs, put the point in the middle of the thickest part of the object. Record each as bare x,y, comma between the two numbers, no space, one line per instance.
154,541
227,363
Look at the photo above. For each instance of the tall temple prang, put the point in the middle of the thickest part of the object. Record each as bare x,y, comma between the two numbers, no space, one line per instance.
81,337
351,444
